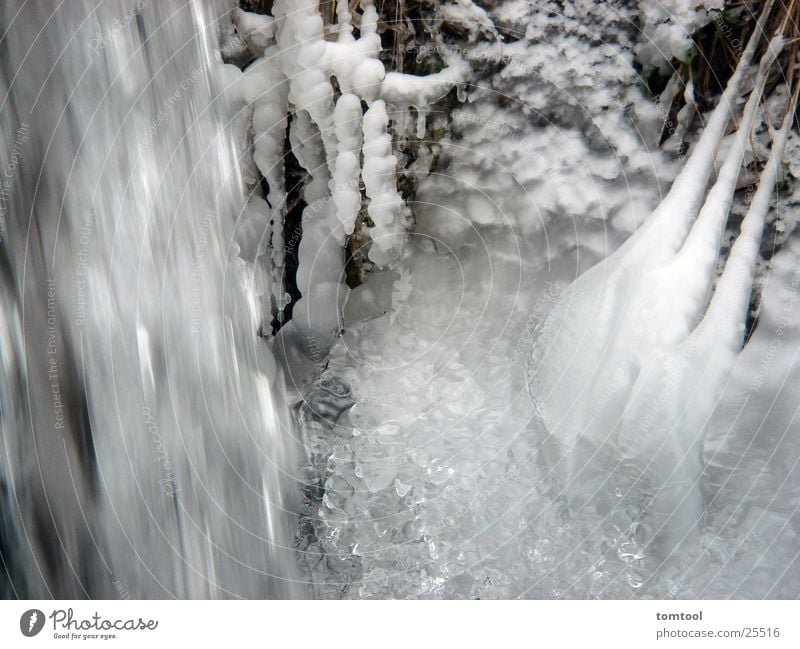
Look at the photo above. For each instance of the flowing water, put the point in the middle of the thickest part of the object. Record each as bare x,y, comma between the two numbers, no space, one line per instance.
146,450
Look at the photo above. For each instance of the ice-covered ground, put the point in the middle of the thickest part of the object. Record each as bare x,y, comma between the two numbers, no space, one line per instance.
423,440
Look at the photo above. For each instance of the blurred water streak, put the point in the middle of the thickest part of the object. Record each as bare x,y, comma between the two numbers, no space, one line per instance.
146,450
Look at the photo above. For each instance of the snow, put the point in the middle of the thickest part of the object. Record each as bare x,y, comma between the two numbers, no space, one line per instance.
411,90
667,28
257,30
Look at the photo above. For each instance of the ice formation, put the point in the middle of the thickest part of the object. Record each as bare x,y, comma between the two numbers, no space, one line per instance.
385,204
626,401
334,139
425,472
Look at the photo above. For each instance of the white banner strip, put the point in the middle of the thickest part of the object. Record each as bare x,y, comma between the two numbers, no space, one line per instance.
403,625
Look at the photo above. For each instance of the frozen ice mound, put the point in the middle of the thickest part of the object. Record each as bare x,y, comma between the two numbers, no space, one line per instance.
422,464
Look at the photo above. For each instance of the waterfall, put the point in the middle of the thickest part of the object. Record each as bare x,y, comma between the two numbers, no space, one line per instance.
146,443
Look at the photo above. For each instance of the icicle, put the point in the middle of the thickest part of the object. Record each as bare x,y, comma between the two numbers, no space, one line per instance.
696,260
625,323
326,138
355,63
369,25
670,91
344,21
385,207
686,113
403,90
726,314
307,146
421,123
303,62
669,224
266,88
345,182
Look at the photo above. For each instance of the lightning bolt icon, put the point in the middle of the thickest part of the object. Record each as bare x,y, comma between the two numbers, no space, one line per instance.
32,621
